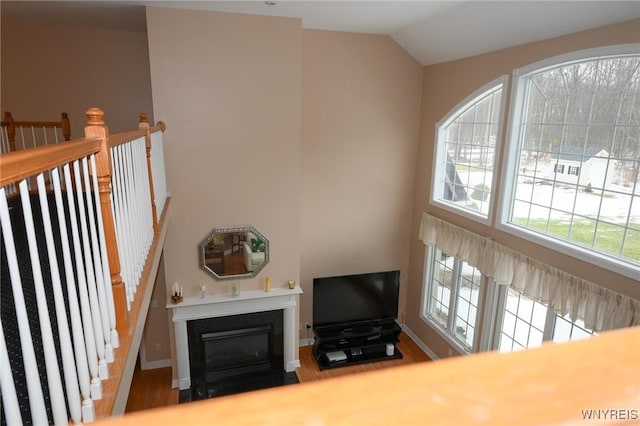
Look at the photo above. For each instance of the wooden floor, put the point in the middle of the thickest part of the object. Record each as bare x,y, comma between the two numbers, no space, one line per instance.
152,388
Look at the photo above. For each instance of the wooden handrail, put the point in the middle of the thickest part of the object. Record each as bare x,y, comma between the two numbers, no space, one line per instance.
97,129
125,137
20,164
559,384
159,127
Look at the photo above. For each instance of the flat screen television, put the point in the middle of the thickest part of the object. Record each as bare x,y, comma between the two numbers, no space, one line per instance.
354,299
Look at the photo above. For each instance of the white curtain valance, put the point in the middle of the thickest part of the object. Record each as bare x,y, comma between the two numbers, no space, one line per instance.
599,308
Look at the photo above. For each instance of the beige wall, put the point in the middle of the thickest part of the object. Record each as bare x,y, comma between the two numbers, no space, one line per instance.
361,109
155,343
229,88
445,85
50,69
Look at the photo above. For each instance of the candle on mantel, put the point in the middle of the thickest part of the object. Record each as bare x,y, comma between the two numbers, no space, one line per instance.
267,284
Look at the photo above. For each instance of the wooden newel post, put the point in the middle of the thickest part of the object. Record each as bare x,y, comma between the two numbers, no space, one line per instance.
11,130
66,126
96,129
144,124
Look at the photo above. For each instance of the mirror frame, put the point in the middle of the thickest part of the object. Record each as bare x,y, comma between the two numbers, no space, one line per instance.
227,230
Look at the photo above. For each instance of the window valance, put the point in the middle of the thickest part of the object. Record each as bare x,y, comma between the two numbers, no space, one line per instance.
599,308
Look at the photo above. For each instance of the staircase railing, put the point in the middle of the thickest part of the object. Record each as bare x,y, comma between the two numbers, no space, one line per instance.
65,304
23,134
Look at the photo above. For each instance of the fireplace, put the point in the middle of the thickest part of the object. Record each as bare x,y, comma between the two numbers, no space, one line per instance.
228,353
234,352
226,343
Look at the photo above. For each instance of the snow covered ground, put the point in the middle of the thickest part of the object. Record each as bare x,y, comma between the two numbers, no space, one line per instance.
614,206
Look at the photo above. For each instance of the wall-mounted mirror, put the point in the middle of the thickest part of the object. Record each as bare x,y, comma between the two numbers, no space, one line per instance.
233,253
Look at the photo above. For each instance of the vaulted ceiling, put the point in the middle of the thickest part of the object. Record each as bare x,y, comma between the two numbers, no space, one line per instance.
431,31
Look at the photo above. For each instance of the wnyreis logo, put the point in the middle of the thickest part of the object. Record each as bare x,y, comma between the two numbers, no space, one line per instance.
609,414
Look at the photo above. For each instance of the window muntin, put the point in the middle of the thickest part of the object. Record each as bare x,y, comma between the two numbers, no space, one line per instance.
467,303
466,147
505,319
564,330
523,323
576,150
440,295
453,293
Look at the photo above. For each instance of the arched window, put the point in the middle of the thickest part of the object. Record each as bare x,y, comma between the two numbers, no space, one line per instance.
571,172
465,153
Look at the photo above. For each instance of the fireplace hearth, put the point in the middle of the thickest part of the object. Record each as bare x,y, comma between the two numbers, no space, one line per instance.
238,384
235,353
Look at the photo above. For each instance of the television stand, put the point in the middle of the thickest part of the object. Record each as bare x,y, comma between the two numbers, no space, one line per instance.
339,346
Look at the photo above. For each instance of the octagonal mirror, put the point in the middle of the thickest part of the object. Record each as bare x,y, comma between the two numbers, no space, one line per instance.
234,253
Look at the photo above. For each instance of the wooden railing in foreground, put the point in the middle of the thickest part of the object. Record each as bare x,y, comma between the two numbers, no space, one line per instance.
65,254
595,381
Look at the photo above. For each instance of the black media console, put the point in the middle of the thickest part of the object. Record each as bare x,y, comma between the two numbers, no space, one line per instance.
338,346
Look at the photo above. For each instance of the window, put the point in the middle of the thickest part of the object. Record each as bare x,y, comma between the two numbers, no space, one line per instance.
564,330
583,112
570,182
523,322
452,301
466,143
506,321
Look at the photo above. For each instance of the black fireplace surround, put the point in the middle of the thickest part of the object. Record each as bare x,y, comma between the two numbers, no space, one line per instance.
236,353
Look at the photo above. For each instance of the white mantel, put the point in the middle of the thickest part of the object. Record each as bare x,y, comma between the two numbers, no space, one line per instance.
221,305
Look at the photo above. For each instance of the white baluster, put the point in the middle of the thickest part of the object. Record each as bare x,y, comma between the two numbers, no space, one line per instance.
68,363
106,272
158,171
82,366
145,199
94,308
146,188
36,399
132,218
10,404
128,227
97,264
135,196
24,146
4,140
33,137
89,340
120,223
54,380
141,205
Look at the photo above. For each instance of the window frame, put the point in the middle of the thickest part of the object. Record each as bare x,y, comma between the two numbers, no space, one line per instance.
511,160
447,331
490,312
438,151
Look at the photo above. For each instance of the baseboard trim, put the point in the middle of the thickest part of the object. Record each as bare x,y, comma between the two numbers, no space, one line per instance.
305,342
420,343
152,365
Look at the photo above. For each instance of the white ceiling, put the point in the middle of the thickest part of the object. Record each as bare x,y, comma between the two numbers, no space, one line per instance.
431,31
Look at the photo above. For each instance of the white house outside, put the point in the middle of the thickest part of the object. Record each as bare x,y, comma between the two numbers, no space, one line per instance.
575,166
